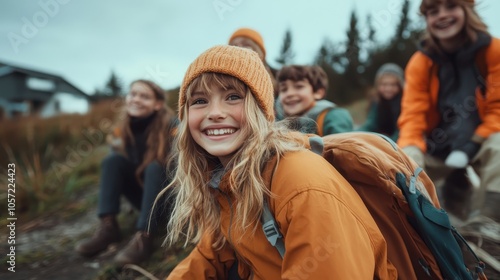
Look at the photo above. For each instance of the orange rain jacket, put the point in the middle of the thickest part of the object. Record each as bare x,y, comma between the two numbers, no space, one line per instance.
419,112
328,232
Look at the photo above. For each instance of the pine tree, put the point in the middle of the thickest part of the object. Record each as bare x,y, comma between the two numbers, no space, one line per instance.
353,44
325,59
351,84
351,64
286,54
370,38
113,86
324,55
400,47
402,31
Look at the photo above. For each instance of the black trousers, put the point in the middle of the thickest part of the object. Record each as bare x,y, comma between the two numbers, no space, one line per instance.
118,178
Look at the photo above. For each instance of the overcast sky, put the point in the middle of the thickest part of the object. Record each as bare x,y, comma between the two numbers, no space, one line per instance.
84,40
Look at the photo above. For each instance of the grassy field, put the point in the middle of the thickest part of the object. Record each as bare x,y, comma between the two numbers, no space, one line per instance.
54,158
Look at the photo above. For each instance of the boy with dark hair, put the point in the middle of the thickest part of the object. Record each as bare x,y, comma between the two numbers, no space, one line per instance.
301,91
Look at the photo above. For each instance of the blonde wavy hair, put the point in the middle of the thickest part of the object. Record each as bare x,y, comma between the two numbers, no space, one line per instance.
196,210
473,23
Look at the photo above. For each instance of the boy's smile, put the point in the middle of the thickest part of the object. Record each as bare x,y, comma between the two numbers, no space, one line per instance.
215,119
297,97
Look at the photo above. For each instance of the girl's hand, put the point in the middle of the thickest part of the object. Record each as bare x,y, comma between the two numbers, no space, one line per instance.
416,154
457,159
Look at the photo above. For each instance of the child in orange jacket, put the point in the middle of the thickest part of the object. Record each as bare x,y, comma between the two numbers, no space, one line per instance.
233,158
450,114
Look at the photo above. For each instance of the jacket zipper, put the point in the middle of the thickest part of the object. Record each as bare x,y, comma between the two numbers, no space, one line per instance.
214,183
230,215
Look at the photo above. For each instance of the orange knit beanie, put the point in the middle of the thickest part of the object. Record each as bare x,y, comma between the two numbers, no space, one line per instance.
241,63
252,35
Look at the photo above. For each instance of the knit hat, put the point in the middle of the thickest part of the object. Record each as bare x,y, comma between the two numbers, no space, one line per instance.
240,63
393,69
252,35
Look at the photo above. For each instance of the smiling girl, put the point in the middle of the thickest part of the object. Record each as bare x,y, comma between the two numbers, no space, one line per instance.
450,114
232,158
135,169
386,105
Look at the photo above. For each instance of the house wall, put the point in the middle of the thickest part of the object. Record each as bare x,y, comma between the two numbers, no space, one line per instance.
10,109
21,94
63,102
8,87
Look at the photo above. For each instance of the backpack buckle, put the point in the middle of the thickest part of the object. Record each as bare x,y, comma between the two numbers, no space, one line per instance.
271,231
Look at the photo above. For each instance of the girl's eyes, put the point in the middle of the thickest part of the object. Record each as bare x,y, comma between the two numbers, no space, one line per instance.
234,96
204,100
295,86
142,96
432,12
198,101
451,6
435,11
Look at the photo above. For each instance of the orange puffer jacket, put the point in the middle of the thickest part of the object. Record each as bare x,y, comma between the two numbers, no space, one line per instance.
419,112
328,231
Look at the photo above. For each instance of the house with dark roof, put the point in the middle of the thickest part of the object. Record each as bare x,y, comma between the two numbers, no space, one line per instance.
26,92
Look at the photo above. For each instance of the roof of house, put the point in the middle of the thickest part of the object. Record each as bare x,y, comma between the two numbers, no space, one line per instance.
6,69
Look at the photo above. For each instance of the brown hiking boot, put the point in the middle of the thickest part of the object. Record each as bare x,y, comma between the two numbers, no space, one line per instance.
107,232
139,248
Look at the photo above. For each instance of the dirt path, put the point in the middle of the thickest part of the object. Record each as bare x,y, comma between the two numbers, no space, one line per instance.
45,249
42,250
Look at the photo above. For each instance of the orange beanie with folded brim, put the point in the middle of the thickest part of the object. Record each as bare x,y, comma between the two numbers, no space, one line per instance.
252,35
241,63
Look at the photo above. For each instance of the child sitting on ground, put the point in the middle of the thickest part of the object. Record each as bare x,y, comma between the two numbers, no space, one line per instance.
386,104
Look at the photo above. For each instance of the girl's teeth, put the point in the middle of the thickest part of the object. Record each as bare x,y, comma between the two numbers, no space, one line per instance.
220,131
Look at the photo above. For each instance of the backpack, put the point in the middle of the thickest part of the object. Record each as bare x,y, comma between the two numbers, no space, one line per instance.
318,114
320,120
421,242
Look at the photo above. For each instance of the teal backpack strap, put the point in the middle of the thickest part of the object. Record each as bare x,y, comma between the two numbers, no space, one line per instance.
320,120
271,230
269,225
316,144
434,226
413,180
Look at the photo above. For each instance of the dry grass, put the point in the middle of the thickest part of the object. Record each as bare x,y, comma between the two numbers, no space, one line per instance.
54,156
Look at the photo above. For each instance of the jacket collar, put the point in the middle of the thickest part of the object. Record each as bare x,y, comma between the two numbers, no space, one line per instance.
463,56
